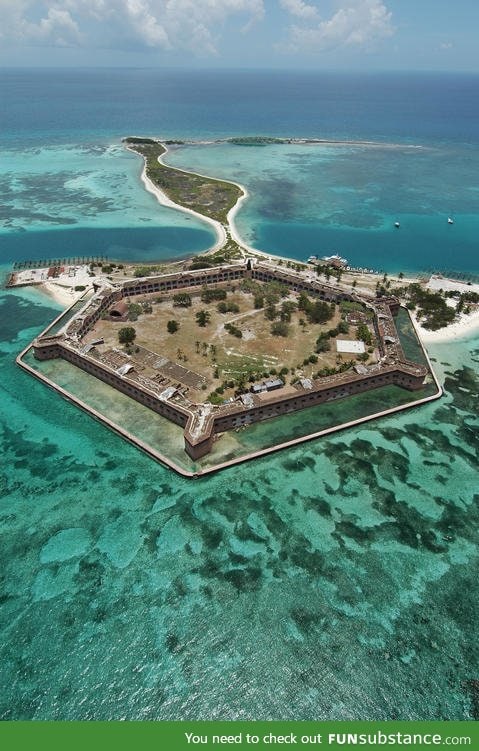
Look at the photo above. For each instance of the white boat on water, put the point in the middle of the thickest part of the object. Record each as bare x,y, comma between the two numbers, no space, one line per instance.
335,260
450,220
397,225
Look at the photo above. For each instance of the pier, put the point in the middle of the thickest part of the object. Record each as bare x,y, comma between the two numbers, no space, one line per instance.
43,263
468,277
61,271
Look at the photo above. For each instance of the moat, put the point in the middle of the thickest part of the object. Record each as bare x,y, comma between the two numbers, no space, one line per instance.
233,361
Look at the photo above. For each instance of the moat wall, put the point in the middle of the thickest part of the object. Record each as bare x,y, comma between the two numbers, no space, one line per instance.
275,406
200,430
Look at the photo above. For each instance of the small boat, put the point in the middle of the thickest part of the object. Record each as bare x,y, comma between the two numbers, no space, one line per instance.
335,260
449,220
397,225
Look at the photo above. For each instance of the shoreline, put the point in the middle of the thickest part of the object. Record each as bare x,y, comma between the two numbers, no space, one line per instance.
467,325
235,235
221,230
462,329
231,213
296,141
62,295
163,200
400,371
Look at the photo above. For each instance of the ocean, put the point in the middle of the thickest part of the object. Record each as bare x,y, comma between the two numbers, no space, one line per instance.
335,580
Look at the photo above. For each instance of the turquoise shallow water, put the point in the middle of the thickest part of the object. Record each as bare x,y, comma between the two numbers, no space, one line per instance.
87,199
323,199
129,592
336,580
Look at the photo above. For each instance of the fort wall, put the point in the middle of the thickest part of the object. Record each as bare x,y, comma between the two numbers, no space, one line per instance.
202,422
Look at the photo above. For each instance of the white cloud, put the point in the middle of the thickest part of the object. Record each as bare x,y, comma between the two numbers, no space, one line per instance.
300,9
189,25
57,27
355,23
48,25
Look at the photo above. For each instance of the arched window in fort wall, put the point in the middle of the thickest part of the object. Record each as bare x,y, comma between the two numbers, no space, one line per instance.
119,311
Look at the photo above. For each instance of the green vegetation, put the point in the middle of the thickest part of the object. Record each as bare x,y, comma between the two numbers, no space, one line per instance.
182,300
80,288
280,328
332,371
136,140
234,330
227,307
145,270
202,318
270,312
431,307
208,294
215,398
127,335
464,299
256,140
210,197
322,343
348,306
287,309
201,263
271,291
134,310
316,311
364,334
172,326
228,253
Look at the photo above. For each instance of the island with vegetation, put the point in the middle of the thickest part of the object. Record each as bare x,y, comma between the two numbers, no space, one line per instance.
233,337
217,349
205,195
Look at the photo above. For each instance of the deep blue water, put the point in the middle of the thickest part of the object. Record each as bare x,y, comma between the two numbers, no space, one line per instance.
322,582
64,169
54,106
150,245
419,247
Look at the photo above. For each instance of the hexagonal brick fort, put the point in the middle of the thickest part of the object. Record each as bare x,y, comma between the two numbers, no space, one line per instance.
202,422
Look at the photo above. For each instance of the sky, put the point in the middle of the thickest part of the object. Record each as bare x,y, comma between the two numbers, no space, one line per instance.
314,34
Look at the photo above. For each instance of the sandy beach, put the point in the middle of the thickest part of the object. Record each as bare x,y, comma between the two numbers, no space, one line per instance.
60,288
464,326
61,294
219,228
232,226
163,199
467,325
